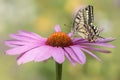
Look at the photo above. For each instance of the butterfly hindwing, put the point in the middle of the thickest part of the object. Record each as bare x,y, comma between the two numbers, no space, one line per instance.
89,16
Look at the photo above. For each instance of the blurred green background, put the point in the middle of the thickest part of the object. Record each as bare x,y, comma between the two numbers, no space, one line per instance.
40,16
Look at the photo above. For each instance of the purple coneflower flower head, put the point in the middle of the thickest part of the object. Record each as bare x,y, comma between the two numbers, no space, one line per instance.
32,47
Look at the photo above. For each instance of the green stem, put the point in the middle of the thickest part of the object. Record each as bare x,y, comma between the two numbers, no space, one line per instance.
58,71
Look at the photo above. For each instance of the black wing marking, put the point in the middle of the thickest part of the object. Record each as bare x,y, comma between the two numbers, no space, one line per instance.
89,16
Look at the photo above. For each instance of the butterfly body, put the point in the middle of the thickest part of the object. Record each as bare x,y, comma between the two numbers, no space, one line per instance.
83,24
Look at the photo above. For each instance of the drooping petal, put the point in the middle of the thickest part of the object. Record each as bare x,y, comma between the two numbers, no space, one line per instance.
93,55
71,53
81,56
99,50
44,54
70,59
58,54
57,28
32,54
106,40
101,44
20,49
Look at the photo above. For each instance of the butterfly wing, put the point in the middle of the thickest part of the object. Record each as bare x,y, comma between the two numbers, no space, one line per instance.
78,20
89,16
83,24
79,24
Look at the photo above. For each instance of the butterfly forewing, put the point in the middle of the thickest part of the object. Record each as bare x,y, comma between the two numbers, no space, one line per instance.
83,24
78,20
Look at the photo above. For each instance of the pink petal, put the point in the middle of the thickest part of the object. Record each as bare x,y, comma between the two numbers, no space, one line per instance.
101,44
57,28
32,54
71,53
106,40
93,55
44,54
70,59
70,34
15,43
79,41
81,56
30,34
99,50
20,49
22,38
58,54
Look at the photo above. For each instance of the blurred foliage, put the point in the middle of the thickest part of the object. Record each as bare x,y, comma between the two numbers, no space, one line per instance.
41,16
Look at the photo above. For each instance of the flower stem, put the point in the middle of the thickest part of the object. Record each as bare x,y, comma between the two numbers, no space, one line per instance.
58,71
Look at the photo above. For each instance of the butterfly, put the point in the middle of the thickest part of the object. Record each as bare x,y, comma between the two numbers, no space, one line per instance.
83,24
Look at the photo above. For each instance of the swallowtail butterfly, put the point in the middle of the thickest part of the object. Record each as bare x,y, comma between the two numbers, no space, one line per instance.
83,24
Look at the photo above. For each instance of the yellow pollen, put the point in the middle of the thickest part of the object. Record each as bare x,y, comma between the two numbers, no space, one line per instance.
59,39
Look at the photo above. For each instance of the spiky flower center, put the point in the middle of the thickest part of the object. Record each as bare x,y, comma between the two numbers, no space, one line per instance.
59,39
